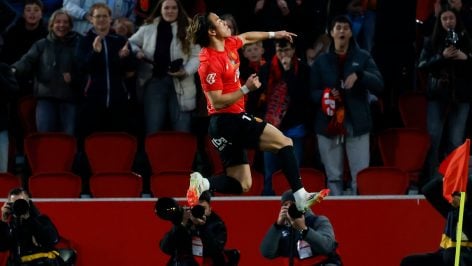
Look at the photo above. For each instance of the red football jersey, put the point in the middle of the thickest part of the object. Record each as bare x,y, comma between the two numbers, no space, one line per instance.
220,71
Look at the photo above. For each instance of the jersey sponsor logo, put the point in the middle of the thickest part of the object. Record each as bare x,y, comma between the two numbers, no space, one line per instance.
232,56
210,79
233,59
220,143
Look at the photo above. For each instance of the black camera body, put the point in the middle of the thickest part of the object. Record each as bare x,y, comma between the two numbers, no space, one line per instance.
168,209
19,207
452,38
198,211
294,212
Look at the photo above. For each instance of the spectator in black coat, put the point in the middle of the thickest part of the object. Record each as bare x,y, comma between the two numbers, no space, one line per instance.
8,89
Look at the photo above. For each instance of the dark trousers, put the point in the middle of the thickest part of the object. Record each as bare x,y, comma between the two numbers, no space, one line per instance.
96,117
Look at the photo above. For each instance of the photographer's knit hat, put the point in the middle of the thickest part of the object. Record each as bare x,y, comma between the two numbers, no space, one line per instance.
287,196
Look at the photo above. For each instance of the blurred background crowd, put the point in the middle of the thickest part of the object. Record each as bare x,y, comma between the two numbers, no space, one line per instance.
126,66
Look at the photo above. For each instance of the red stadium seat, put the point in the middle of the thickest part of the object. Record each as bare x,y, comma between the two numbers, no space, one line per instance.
404,148
4,257
50,156
55,185
50,152
7,182
116,185
413,108
111,156
171,151
27,114
110,151
170,183
382,181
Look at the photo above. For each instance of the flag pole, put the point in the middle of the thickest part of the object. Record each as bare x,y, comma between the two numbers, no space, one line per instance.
459,230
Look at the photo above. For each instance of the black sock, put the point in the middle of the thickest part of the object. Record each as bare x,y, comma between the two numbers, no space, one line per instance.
289,165
225,184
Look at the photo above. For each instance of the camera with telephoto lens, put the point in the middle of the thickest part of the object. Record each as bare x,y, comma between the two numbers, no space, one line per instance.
19,207
452,38
168,209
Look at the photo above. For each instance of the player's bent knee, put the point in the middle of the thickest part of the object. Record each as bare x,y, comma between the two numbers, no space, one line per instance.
287,142
246,186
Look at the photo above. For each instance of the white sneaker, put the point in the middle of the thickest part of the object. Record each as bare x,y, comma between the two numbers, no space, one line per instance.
196,187
304,200
305,203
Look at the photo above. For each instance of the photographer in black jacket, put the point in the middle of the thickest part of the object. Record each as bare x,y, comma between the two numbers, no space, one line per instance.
28,235
198,236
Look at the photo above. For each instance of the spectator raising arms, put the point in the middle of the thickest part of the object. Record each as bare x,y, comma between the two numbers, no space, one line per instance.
52,62
104,57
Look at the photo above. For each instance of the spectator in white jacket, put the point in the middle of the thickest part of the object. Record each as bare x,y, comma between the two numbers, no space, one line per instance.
169,62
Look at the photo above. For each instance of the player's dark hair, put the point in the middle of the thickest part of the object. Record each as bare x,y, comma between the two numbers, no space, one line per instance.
197,32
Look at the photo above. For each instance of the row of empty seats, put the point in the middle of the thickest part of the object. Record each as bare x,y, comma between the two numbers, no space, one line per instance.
371,181
111,156
171,155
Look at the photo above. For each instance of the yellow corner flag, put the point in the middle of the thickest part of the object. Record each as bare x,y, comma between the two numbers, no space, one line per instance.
455,169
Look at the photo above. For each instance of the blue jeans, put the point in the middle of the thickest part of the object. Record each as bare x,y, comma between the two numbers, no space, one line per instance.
271,164
3,151
451,118
367,41
160,104
363,29
55,115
